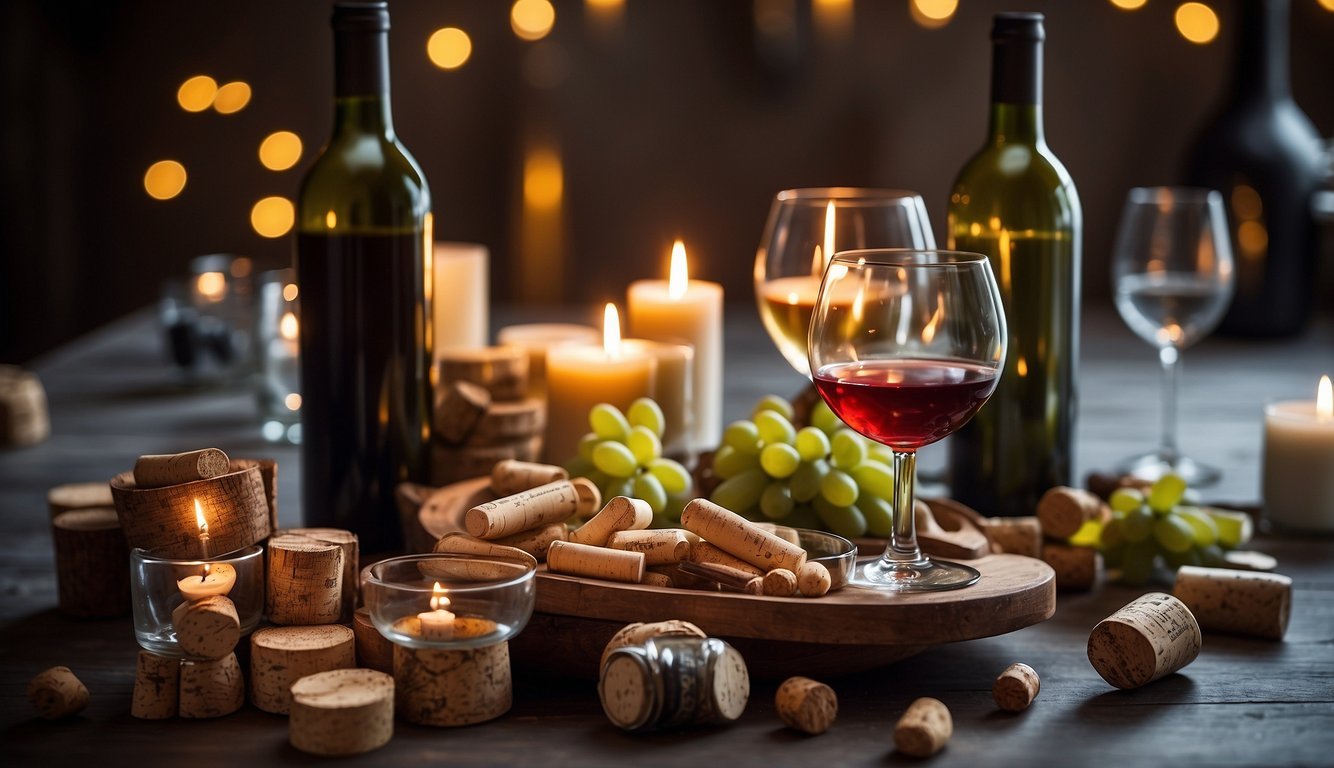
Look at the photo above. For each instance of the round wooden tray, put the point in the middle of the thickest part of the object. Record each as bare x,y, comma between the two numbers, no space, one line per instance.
850,630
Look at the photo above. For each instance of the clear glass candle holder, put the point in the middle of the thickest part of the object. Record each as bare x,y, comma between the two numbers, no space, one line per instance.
449,601
155,592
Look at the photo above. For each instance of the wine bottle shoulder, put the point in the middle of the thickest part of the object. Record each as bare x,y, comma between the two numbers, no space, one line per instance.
363,183
1254,139
1025,186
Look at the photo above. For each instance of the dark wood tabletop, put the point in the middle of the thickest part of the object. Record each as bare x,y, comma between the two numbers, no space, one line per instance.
1243,702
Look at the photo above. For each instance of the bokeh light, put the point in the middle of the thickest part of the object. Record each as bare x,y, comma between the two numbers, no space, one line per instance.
532,19
280,150
1129,5
273,216
1197,22
933,14
196,93
449,48
543,179
164,180
232,97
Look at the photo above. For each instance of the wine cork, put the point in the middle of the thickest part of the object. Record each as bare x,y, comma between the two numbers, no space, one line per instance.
590,497
305,583
212,688
543,505
813,580
57,693
1236,602
72,496
1016,688
660,547
161,470
1015,535
739,537
704,553
537,541
512,476
157,687
374,650
924,729
280,656
459,543
451,464
637,633
510,422
1150,637
459,411
682,580
346,541
621,513
342,712
732,578
1062,511
446,687
503,371
806,705
207,628
1077,568
780,582
595,562
25,417
656,579
92,563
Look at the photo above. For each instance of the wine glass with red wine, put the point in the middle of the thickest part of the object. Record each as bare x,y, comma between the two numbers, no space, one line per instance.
905,346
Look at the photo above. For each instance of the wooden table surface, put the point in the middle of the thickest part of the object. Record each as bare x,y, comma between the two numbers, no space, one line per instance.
1243,702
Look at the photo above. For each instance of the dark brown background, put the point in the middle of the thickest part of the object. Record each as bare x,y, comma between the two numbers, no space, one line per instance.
684,125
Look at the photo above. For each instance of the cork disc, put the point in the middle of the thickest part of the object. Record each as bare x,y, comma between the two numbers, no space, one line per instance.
731,684
625,692
1121,654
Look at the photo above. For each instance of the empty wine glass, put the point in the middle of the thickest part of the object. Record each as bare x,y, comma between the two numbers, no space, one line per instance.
1172,277
905,346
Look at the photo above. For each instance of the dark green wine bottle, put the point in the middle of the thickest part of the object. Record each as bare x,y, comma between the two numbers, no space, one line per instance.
1015,202
364,227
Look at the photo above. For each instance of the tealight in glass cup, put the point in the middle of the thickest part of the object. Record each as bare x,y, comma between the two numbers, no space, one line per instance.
156,585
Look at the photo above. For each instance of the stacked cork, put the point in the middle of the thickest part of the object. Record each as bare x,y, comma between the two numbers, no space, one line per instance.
1061,513
482,413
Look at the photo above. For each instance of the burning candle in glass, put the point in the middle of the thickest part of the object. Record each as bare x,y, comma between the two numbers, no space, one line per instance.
437,623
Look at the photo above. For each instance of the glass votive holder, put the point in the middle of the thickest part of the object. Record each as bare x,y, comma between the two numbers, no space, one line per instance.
277,334
449,601
222,295
155,592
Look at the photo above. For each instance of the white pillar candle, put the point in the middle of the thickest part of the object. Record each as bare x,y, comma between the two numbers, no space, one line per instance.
537,338
673,386
437,623
690,311
459,295
581,376
1299,462
213,579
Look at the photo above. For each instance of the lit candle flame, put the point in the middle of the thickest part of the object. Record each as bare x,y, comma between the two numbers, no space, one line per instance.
678,278
439,601
199,518
611,330
1324,400
929,330
288,326
828,232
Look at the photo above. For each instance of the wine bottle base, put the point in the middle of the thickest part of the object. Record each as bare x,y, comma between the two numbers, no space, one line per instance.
924,576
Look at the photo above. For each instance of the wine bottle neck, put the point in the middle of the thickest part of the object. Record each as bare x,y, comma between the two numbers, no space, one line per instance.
1016,124
361,81
1016,79
1260,68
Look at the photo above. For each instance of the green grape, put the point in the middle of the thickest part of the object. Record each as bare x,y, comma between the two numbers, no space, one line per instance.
875,478
644,444
743,437
803,516
674,477
1173,533
838,488
879,514
741,493
1175,560
881,453
645,412
846,521
1203,527
774,428
728,462
776,404
1112,535
846,449
776,502
812,444
780,460
649,489
1138,524
1137,562
1166,492
579,467
618,486
1088,535
1126,499
805,481
597,477
1234,528
614,458
586,445
1212,556
608,422
823,419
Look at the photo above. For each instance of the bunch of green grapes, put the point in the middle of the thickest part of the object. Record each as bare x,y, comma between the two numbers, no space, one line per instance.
623,456
822,476
1144,528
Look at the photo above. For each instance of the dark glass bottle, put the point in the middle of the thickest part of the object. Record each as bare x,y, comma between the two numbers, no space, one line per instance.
1264,155
1015,202
364,226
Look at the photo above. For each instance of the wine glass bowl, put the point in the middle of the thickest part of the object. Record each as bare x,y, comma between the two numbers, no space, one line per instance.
804,229
1172,277
906,345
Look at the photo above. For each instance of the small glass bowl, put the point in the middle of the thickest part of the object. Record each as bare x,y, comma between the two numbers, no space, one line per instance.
155,593
491,597
837,554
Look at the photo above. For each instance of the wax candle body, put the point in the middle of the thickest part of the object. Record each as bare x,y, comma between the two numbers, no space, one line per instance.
537,338
1299,467
218,580
437,624
459,297
673,386
579,377
696,318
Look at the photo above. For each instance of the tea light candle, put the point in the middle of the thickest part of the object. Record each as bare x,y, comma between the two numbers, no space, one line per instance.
459,295
580,377
691,311
537,338
437,623
1299,462
673,388
214,579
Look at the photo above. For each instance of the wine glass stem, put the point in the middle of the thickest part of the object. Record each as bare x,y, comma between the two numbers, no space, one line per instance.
1171,360
903,538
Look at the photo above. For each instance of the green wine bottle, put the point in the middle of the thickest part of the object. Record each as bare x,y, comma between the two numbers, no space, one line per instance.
364,230
1015,202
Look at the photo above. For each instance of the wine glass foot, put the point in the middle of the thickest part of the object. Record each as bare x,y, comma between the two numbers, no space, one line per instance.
920,576
1152,466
